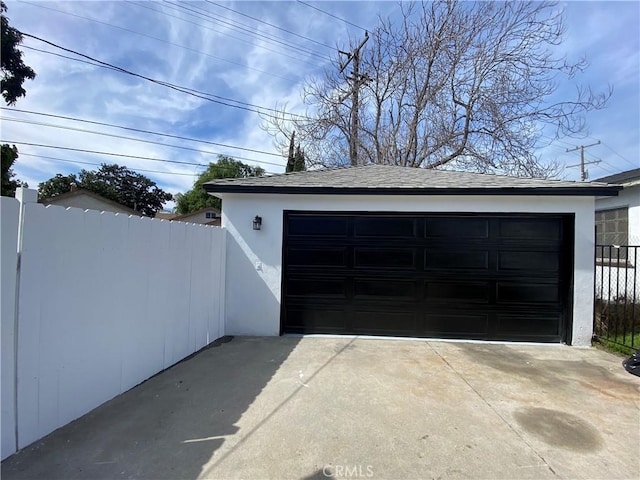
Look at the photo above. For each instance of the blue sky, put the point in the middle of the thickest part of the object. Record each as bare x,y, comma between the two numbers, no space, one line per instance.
257,64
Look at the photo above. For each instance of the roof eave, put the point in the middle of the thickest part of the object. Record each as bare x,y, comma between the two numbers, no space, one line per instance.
604,191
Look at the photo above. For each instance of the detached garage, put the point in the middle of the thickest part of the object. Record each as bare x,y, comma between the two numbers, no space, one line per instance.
386,250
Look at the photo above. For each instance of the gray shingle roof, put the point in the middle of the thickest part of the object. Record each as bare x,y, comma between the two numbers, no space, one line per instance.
395,180
79,192
622,177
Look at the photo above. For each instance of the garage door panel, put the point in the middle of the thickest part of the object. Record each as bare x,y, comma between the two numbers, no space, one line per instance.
384,288
456,259
527,293
385,257
529,260
309,225
492,277
455,325
317,257
332,287
531,229
531,326
475,292
457,228
316,320
384,227
387,323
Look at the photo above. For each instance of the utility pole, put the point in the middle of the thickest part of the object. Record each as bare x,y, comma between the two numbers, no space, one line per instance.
583,173
357,80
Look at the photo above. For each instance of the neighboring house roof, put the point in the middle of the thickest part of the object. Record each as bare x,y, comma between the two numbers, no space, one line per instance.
187,217
197,212
395,180
622,178
166,216
80,192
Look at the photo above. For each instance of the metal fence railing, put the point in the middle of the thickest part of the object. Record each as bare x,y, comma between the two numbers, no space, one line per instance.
617,295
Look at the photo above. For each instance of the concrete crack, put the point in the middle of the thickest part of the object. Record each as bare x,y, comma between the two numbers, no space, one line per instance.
524,440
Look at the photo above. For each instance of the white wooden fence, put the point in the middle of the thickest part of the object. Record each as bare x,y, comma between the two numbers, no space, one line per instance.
93,303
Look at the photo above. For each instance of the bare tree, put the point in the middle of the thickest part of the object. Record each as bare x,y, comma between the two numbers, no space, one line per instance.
455,84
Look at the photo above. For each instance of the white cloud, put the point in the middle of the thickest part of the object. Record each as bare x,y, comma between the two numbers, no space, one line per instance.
65,87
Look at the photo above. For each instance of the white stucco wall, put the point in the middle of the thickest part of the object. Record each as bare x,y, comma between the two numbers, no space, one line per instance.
254,258
629,197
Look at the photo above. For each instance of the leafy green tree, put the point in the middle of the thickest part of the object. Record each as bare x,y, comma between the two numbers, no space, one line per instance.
9,184
57,185
291,160
226,167
299,164
114,182
295,160
14,71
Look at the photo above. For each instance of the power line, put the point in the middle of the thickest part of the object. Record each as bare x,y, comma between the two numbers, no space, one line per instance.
161,40
555,139
151,159
22,154
182,89
358,80
606,162
187,90
138,157
606,165
127,155
583,173
141,5
66,56
241,27
52,125
103,153
74,119
270,24
601,143
623,158
332,15
136,169
612,168
118,69
128,72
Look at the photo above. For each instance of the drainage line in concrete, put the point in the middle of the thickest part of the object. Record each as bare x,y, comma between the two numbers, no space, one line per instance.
492,408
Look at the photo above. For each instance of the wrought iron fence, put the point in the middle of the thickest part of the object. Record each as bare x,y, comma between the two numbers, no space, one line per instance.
617,295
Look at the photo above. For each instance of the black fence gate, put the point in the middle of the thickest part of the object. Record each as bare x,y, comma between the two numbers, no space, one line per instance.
617,298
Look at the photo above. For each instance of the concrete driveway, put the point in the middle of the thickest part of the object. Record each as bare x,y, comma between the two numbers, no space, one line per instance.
312,408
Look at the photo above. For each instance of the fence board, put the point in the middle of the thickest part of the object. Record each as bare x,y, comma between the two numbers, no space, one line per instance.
178,332
160,294
9,216
200,281
37,266
106,301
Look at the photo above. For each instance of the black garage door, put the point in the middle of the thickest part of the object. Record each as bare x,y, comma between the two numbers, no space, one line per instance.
486,277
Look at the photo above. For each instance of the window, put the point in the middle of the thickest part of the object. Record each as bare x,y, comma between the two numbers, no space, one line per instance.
612,227
210,215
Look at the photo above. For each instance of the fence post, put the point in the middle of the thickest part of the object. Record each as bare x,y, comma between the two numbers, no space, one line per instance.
24,196
222,296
